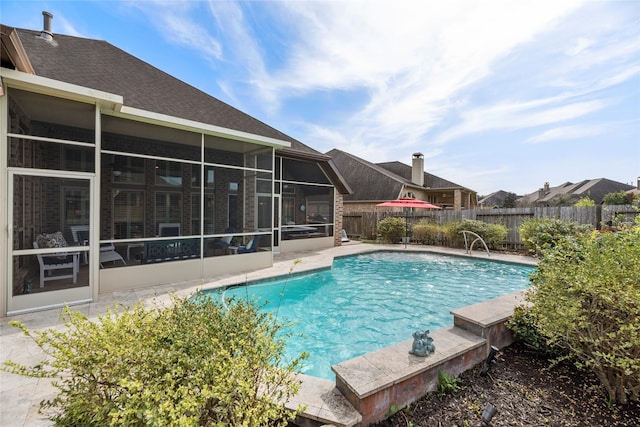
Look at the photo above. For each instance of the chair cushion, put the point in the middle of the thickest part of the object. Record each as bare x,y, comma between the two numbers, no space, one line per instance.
53,240
55,260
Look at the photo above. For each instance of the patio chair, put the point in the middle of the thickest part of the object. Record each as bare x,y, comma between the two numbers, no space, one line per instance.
107,250
80,234
252,246
52,263
224,242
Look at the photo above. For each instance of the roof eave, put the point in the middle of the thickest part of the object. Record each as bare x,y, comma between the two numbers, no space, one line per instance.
46,86
191,125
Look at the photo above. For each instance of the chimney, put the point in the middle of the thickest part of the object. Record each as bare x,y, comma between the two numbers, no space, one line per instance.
546,188
46,29
417,169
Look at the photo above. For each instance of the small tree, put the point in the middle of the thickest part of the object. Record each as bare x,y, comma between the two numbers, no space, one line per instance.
194,363
392,229
509,200
585,299
618,198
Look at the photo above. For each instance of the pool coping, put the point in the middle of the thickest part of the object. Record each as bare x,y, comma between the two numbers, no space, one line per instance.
376,382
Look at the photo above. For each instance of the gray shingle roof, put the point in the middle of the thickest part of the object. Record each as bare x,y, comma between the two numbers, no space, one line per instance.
99,65
595,189
379,181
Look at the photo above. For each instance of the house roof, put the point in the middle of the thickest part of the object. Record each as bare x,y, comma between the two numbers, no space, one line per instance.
99,65
380,181
430,181
595,189
494,199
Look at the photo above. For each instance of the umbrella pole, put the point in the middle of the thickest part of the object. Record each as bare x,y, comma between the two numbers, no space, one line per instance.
406,231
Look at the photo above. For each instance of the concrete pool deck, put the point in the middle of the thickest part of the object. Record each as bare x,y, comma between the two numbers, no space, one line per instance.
20,396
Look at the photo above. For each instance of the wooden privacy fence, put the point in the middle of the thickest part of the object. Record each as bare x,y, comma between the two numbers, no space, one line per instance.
363,224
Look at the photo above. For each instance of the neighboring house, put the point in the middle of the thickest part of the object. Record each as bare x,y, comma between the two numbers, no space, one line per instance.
495,199
373,183
123,176
595,189
635,191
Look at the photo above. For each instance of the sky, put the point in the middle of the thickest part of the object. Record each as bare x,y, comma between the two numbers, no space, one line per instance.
497,95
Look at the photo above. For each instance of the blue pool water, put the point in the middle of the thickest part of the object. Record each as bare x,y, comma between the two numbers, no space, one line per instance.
367,302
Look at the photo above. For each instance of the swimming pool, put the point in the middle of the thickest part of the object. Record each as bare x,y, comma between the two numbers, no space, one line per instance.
370,301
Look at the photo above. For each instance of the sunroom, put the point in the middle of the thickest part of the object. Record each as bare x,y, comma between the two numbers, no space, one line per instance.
104,199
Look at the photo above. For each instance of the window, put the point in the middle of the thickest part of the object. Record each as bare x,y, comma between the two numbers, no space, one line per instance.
209,213
168,208
78,158
168,173
208,174
128,214
288,210
127,169
76,206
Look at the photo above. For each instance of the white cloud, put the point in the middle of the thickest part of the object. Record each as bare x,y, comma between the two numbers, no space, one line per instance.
508,116
582,44
175,22
64,26
568,132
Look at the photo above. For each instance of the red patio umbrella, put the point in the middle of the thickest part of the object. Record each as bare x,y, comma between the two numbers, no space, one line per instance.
407,202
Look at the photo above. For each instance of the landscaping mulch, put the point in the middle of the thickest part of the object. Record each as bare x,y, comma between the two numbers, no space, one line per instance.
527,391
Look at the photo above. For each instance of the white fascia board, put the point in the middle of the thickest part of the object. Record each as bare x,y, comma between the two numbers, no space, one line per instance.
47,86
194,126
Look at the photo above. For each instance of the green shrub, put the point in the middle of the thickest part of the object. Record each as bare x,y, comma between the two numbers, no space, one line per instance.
541,234
194,363
525,328
494,235
618,198
392,229
586,300
427,232
585,201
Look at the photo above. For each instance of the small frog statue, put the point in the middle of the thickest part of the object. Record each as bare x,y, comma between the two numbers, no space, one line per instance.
422,344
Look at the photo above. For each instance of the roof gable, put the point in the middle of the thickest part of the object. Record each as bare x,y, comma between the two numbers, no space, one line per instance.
360,174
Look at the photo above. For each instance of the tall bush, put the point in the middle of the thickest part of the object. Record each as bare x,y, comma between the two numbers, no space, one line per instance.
540,234
427,232
392,229
194,363
494,235
586,300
